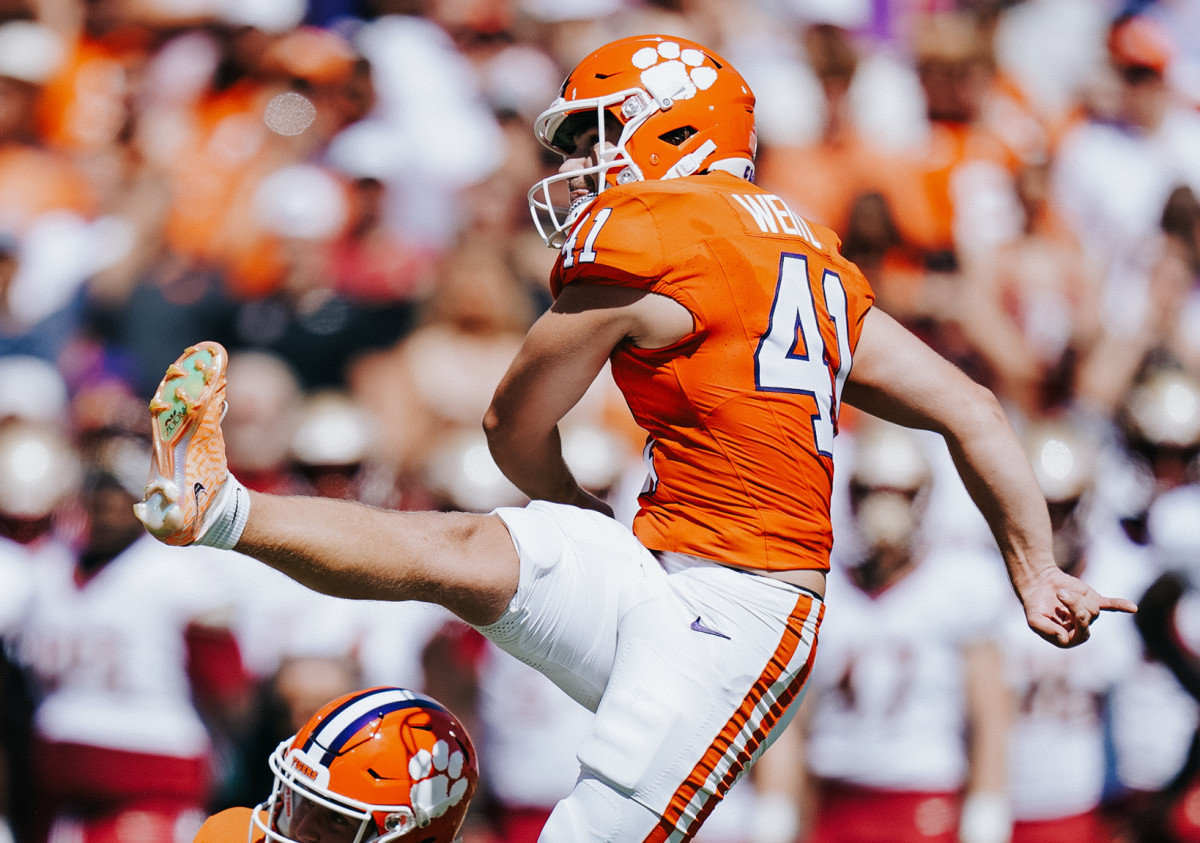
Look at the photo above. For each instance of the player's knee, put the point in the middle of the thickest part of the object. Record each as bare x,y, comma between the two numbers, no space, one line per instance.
466,531
476,570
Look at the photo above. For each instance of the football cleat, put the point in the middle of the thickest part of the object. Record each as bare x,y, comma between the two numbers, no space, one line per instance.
188,469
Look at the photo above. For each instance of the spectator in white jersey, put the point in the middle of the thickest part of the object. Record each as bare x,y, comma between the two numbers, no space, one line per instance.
1114,172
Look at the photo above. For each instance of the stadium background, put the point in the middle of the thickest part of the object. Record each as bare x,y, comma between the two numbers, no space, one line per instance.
335,190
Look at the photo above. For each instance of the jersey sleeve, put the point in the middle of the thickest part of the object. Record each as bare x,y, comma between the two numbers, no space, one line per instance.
616,242
859,295
229,826
859,299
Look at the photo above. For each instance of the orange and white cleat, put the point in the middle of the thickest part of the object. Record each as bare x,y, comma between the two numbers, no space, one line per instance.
188,470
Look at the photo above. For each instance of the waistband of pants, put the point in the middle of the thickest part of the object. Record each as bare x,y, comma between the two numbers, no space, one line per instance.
673,562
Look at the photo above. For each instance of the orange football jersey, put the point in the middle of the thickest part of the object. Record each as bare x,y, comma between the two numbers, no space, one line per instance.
742,413
229,826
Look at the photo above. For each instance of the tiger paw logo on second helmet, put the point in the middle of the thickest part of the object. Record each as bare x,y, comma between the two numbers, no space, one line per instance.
438,782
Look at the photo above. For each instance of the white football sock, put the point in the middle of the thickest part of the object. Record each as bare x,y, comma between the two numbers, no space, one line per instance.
226,518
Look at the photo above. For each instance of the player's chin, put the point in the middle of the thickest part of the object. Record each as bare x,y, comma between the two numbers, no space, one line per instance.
578,205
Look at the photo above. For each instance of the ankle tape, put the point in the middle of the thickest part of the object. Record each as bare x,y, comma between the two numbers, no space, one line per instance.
227,517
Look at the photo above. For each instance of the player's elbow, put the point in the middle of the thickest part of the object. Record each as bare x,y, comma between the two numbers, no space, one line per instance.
978,409
495,428
501,431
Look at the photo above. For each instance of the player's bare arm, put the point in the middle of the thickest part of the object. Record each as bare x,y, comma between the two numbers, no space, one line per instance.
899,378
563,353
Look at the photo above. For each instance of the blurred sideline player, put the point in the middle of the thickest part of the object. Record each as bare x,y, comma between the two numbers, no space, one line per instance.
382,764
1060,739
730,324
1150,465
39,479
1170,629
903,729
129,652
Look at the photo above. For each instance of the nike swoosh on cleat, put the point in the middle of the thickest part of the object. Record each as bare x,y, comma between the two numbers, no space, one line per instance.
699,626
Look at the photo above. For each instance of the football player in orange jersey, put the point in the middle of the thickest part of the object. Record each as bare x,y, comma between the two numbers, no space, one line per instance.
731,325
382,764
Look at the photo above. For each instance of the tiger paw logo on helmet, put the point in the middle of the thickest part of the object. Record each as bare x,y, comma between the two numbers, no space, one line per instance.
438,782
389,758
668,67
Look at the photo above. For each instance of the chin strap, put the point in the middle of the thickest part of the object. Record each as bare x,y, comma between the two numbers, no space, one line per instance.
691,162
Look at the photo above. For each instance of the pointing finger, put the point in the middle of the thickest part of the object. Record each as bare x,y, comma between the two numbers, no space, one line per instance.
1117,604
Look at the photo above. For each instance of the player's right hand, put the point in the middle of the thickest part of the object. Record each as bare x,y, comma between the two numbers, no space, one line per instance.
1061,608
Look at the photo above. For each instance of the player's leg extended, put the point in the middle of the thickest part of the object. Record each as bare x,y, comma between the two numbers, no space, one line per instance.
464,562
467,563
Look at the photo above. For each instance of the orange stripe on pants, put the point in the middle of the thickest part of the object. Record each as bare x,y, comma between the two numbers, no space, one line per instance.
725,741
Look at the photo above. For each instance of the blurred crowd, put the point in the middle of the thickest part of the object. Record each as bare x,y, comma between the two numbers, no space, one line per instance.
336,190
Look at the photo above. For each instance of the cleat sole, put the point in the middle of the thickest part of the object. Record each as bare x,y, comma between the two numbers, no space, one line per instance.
180,411
186,394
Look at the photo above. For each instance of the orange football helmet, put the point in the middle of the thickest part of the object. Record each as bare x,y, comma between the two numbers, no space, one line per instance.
675,108
384,764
